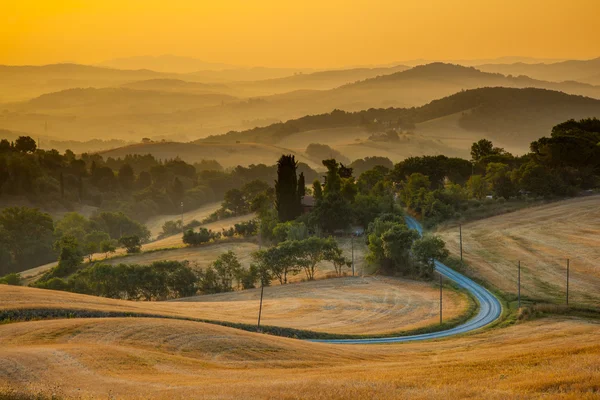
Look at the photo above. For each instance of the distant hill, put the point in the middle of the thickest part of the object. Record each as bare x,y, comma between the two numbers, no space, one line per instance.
572,70
178,109
19,83
515,115
177,85
164,63
118,101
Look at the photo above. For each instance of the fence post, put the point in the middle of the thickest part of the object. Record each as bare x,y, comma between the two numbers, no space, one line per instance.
519,283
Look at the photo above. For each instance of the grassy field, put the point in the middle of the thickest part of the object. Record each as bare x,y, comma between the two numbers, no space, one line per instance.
371,305
155,224
169,242
542,238
129,358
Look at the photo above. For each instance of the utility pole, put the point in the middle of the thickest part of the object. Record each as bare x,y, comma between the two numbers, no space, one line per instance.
519,284
352,241
441,277
567,281
182,229
262,288
461,251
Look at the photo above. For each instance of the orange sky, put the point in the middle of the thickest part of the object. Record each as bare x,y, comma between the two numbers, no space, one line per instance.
307,33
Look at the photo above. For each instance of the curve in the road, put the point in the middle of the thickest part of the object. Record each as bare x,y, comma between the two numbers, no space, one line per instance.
490,308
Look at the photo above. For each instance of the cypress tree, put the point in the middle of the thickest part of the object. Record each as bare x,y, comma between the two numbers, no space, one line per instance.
286,189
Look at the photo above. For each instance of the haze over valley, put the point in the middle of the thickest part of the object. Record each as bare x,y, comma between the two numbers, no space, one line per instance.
299,200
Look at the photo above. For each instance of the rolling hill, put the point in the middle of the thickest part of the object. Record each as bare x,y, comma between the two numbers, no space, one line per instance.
180,110
571,70
511,115
18,83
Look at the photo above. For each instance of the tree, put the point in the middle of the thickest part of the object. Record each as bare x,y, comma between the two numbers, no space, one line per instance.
301,186
228,268
132,243
25,144
70,256
92,243
11,279
27,234
126,177
107,247
234,200
203,235
396,243
498,177
428,249
317,190
478,187
481,149
286,189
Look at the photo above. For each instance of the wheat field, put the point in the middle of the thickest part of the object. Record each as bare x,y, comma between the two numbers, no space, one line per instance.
129,358
541,238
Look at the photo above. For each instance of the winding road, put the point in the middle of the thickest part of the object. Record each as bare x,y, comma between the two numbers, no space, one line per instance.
490,308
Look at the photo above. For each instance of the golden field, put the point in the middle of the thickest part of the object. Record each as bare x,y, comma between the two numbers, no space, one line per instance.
372,305
542,238
169,242
128,358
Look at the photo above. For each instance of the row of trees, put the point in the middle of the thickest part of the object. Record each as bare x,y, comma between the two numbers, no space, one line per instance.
29,237
138,185
161,280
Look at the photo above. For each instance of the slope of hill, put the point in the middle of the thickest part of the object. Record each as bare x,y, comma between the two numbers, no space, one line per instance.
18,83
228,154
370,305
542,238
130,358
515,116
571,70
172,114
118,101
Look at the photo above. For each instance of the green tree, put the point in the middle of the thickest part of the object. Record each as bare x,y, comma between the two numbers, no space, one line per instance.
126,177
27,234
228,268
25,144
317,190
428,249
477,186
132,243
92,243
286,189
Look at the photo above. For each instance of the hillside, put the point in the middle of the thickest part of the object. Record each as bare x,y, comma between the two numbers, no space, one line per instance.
119,101
571,70
513,116
349,305
542,238
170,116
18,83
227,154
131,358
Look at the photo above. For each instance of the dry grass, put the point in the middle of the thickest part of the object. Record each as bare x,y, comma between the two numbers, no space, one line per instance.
542,238
155,224
31,275
349,305
165,359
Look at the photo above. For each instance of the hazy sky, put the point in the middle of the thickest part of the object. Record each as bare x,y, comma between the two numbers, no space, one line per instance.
306,33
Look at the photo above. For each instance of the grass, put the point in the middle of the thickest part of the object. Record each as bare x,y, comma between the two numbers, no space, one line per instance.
164,359
344,307
541,238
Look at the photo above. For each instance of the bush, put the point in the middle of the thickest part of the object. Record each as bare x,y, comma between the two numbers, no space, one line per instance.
132,244
204,235
11,279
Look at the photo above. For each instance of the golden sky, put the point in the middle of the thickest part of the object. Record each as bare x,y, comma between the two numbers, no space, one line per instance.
307,33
